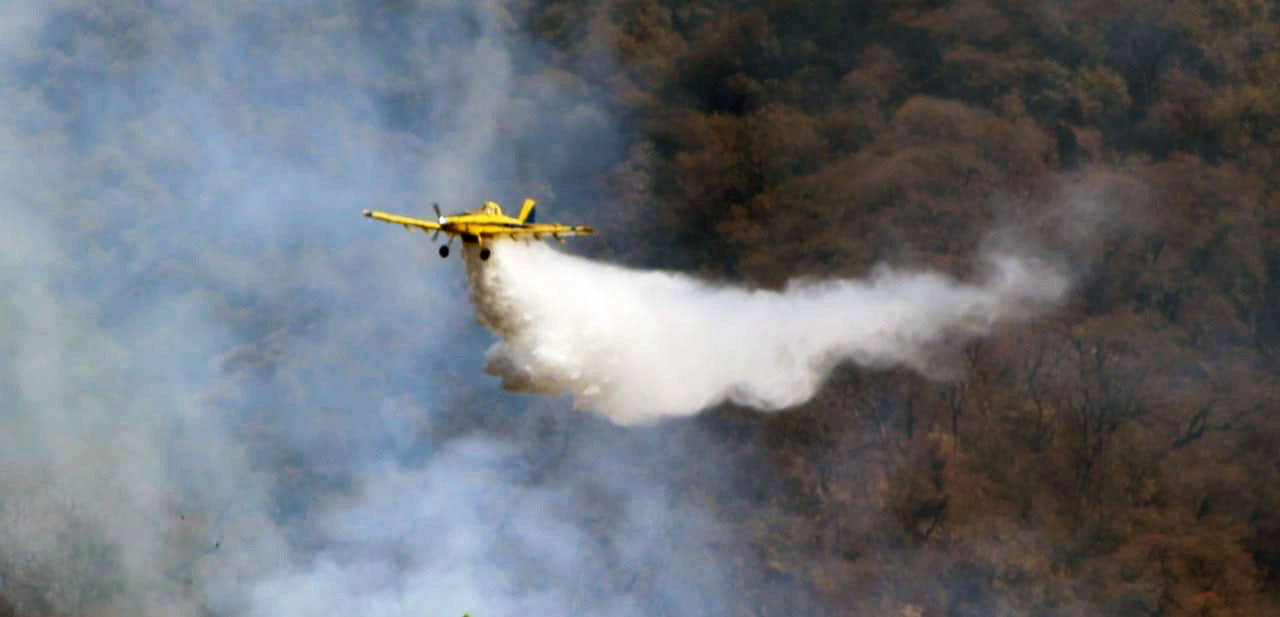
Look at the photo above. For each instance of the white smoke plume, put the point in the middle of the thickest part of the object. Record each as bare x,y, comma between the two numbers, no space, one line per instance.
638,346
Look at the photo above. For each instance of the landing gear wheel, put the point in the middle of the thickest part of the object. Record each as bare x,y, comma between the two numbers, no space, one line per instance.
444,251
484,254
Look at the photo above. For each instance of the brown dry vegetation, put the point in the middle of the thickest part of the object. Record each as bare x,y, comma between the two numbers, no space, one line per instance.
1116,457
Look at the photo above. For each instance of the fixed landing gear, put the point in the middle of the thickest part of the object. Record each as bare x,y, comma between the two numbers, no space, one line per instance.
444,251
484,254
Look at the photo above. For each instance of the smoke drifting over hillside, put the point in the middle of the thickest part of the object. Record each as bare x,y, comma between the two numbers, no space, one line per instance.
637,346
223,391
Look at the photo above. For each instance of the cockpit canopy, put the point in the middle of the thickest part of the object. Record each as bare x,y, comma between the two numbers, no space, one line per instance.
492,207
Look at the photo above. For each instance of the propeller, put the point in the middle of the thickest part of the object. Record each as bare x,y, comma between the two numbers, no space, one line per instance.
439,219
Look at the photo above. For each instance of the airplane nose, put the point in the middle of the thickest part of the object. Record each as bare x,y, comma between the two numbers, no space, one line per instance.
366,212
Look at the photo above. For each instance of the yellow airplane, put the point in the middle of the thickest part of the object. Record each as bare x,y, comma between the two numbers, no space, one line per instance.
477,226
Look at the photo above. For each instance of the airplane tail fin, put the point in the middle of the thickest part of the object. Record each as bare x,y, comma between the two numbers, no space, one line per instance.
526,213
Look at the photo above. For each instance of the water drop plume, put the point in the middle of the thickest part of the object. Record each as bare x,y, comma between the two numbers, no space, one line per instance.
638,346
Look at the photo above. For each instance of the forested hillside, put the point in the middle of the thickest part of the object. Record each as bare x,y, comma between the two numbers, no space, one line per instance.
223,392
1117,457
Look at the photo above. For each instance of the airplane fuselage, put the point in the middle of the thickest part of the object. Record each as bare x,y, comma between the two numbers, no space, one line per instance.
478,226
472,227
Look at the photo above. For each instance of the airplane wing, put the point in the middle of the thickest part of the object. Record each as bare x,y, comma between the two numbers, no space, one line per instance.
409,223
552,229
529,230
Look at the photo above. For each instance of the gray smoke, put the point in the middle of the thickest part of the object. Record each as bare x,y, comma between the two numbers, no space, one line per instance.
223,392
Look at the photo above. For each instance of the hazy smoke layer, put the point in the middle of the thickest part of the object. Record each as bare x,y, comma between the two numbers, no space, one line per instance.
223,392
637,346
